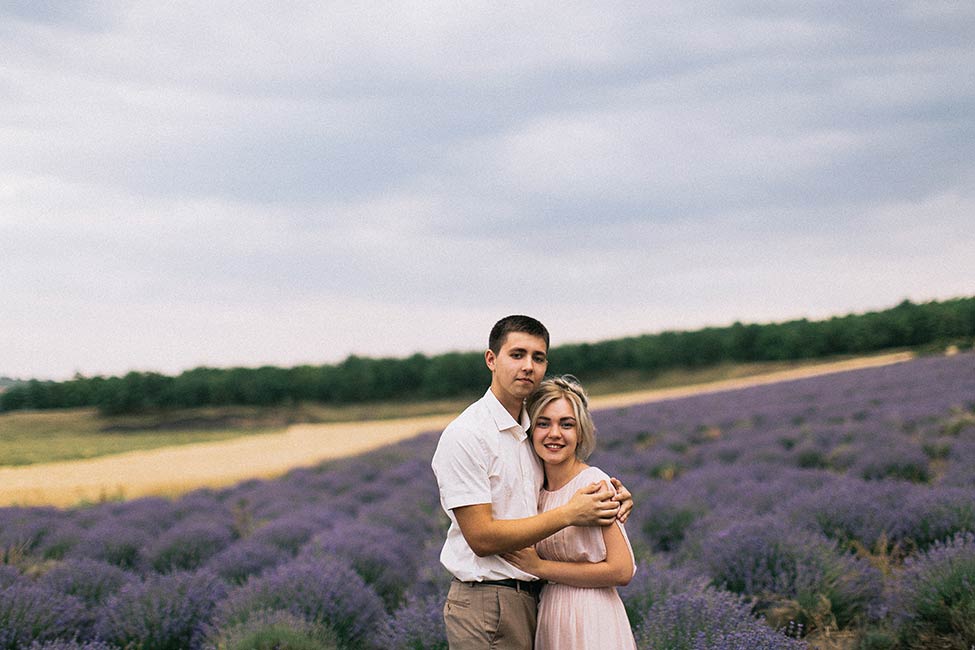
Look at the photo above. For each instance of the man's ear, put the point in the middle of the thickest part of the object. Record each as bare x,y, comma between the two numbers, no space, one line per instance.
489,358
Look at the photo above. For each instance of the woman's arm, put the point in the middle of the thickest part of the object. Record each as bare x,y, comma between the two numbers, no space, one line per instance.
615,570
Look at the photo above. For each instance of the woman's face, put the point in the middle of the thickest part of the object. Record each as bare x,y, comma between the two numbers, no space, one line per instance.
555,433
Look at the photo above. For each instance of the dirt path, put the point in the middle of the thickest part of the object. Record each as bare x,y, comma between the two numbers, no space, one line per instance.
173,470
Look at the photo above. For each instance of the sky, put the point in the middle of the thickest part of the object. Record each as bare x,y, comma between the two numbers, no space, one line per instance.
248,183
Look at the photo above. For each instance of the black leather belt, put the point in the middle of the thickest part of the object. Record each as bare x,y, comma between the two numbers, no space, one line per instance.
534,587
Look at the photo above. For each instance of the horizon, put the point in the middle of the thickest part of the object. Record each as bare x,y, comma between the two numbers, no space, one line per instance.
555,344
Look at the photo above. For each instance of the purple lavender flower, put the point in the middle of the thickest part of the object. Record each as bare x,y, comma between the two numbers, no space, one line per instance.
113,541
188,544
374,551
8,575
324,591
163,612
768,558
151,515
933,604
961,459
755,638
417,624
707,619
59,540
901,462
411,504
92,581
666,521
205,503
935,515
24,529
290,532
432,579
655,582
245,558
31,612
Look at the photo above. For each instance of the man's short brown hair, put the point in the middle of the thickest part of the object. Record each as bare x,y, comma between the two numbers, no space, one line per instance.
515,323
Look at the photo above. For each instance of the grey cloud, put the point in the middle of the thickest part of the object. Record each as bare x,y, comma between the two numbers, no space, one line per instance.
84,15
671,158
404,120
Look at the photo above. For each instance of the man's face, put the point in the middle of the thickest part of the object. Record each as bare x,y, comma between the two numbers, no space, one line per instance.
518,367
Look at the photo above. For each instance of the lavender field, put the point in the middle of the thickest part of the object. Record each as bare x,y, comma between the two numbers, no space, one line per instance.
765,518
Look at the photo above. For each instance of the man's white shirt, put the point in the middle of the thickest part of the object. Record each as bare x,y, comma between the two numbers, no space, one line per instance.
484,456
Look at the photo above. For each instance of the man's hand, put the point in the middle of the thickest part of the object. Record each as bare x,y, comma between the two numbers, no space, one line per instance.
624,498
593,505
526,559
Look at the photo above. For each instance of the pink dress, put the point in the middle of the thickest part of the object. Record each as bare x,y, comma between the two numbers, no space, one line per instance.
576,618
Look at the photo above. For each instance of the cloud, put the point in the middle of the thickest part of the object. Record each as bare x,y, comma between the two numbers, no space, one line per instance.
224,182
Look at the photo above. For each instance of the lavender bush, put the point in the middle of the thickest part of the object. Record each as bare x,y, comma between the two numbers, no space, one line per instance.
163,612
22,530
93,581
60,540
935,604
114,542
8,575
931,516
323,591
707,619
31,612
852,512
654,583
246,558
188,544
374,551
290,532
768,558
431,579
416,625
272,630
667,521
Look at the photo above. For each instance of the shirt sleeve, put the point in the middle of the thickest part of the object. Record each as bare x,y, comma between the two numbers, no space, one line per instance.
461,465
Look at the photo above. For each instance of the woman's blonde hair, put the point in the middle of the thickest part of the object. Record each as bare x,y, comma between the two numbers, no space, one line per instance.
567,387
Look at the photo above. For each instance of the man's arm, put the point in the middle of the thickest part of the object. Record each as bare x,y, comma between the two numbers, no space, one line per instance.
624,498
592,505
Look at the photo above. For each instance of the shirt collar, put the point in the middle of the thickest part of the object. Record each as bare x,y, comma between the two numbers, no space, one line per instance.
503,419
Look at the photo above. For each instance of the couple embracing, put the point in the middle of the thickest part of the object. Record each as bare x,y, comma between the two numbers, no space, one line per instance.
536,543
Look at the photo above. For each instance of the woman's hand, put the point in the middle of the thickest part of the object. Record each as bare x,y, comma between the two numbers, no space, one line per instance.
525,559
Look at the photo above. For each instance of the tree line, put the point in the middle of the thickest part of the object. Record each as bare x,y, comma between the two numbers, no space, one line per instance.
455,374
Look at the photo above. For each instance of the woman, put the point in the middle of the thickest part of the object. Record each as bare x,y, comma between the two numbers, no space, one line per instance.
579,606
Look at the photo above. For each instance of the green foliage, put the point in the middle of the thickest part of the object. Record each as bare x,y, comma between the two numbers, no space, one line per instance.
457,374
666,525
940,594
877,639
273,630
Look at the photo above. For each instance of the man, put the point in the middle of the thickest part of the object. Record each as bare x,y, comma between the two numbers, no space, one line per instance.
489,479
